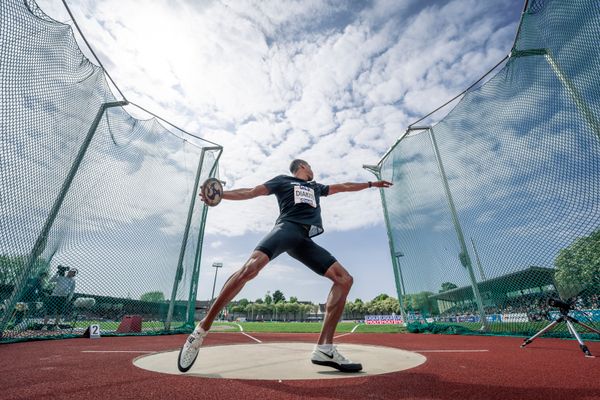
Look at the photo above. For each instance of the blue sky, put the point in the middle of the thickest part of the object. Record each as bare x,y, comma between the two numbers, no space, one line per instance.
333,82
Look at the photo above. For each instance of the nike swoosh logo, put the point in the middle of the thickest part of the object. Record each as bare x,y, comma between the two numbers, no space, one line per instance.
329,356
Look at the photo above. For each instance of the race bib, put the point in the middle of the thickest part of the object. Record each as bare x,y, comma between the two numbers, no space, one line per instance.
304,195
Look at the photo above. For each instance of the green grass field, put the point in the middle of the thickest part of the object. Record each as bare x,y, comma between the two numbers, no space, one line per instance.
274,327
516,329
311,327
112,326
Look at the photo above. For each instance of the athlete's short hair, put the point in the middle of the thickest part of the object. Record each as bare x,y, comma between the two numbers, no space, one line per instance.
295,165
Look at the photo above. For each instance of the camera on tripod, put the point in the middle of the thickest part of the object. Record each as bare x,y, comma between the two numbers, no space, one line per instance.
558,303
565,307
62,269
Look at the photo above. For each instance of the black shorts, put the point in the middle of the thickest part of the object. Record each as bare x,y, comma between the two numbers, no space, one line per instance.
293,239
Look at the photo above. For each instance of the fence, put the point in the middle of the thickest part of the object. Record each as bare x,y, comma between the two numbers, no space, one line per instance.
98,211
495,209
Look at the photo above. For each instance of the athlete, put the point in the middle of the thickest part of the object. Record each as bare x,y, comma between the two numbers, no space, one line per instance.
299,220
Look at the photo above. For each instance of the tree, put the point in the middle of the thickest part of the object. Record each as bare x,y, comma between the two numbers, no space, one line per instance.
391,305
447,286
293,299
359,307
278,296
292,308
153,297
578,266
381,297
237,309
280,310
243,302
268,298
423,303
305,309
349,309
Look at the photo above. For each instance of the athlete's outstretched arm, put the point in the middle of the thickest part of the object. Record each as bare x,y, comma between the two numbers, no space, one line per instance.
355,187
245,194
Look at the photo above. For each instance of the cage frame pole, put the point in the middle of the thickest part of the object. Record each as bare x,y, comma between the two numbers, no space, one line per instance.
186,231
193,293
481,271
376,170
464,257
188,222
574,94
42,239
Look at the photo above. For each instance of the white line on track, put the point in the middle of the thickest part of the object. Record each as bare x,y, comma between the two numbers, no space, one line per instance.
346,334
450,351
245,334
251,337
117,351
339,336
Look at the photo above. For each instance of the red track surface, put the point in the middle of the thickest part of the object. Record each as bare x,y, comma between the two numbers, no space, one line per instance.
547,369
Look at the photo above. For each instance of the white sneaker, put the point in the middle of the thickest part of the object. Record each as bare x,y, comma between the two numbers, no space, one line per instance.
335,360
189,350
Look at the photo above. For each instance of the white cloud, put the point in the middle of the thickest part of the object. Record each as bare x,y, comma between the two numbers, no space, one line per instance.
329,81
273,81
216,244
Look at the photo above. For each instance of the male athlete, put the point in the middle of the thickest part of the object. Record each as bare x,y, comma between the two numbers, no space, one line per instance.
299,220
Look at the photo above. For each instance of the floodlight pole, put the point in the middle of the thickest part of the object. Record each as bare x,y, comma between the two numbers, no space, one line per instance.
464,254
216,266
376,170
42,239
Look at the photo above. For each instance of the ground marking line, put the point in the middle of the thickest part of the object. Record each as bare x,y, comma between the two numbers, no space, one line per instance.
245,334
450,351
251,337
345,334
117,351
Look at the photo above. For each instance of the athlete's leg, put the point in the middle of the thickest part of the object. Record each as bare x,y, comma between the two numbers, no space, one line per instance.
342,282
234,284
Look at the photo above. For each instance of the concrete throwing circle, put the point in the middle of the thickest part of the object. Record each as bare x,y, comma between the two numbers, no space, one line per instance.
280,361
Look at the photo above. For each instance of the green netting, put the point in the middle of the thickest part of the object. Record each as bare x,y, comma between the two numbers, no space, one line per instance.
86,187
505,214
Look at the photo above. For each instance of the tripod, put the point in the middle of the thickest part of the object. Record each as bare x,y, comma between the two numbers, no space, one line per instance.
564,308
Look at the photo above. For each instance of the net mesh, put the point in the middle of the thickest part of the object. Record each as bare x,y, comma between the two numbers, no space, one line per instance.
494,210
98,219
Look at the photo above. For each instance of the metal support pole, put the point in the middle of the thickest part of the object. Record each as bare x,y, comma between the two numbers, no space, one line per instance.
375,170
191,309
483,278
188,222
42,239
402,287
574,93
464,254
580,103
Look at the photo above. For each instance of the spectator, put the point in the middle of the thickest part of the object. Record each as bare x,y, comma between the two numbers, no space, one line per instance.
61,294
